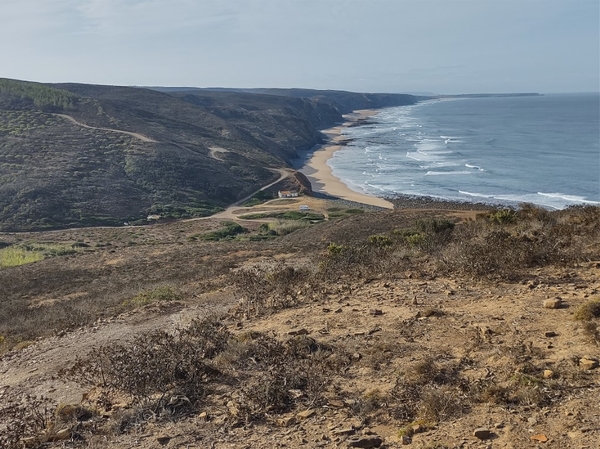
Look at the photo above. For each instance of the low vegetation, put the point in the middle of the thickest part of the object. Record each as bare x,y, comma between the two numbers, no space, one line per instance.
347,321
228,231
286,215
163,293
13,256
259,198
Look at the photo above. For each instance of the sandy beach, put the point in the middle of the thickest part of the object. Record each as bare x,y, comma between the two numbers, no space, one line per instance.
319,173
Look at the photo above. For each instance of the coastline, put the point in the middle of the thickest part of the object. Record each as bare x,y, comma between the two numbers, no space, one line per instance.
320,175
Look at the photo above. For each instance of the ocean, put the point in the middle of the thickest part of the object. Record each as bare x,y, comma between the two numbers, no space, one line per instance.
543,150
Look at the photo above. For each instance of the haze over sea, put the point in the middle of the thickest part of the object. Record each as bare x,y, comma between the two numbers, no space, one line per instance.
543,150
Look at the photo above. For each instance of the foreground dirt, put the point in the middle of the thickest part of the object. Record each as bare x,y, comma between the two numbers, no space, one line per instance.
386,326
390,326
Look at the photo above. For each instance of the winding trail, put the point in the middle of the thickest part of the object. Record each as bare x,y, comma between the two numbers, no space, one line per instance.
83,125
228,213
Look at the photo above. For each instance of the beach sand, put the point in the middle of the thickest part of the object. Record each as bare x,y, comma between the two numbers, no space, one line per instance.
319,173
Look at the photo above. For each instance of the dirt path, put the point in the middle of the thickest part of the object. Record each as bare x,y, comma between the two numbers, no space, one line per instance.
36,368
83,125
228,214
215,151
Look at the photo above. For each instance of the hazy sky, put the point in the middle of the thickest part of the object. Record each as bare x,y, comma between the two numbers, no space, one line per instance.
442,46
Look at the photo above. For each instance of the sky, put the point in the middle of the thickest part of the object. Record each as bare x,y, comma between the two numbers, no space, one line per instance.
439,46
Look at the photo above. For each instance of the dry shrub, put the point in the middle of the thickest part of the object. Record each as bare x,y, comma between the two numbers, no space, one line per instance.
592,331
588,311
263,290
372,402
429,391
440,403
164,371
279,375
31,418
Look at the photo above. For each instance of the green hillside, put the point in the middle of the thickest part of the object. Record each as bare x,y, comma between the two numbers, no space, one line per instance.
78,155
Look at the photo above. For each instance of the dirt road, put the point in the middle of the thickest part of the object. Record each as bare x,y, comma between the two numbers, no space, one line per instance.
83,125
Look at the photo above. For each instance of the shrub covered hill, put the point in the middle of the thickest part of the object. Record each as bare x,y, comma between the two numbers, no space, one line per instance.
79,155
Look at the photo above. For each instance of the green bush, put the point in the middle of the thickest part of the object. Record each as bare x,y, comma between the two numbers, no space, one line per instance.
503,216
380,240
229,230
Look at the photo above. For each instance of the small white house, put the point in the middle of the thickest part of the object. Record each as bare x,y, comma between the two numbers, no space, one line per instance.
287,194
304,207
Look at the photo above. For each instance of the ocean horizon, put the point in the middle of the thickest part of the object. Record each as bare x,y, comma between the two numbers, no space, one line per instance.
543,150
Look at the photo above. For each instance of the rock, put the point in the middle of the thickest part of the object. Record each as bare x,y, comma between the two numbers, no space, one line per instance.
343,431
163,439
61,435
405,440
298,332
294,393
417,428
376,312
305,414
550,334
532,421
356,356
335,403
233,409
588,362
365,441
286,421
548,374
203,416
482,433
555,303
539,437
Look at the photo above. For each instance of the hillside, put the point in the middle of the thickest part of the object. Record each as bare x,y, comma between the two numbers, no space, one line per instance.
78,155
437,327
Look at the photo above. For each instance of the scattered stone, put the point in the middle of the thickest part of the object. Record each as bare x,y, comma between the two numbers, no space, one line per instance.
376,312
326,310
343,431
486,331
286,421
163,439
417,428
337,310
539,437
233,409
548,374
482,433
550,334
305,414
365,441
61,435
203,416
356,356
405,440
532,421
298,332
588,362
555,303
336,403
